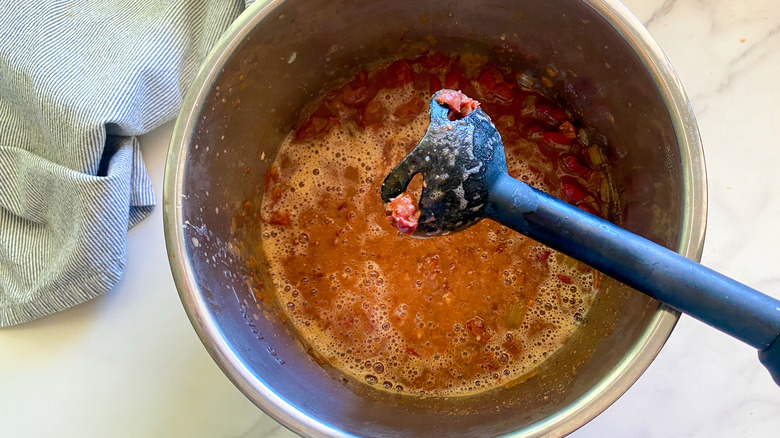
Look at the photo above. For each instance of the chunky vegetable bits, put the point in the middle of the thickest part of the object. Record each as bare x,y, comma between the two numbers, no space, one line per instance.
458,103
403,213
448,316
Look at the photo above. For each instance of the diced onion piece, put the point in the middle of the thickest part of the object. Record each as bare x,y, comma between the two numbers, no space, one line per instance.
595,156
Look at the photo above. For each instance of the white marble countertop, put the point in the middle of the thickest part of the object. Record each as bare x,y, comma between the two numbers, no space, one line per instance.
129,364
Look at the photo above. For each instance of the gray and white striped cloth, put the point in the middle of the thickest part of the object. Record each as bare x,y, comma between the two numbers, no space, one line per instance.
79,79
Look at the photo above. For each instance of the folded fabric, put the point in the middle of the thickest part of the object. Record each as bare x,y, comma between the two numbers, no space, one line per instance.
79,80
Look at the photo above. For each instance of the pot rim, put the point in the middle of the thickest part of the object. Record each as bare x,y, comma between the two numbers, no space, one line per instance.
597,398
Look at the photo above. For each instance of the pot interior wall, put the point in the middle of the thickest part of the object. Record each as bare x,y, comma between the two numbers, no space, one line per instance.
303,47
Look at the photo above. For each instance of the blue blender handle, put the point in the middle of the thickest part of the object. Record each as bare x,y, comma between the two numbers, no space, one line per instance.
691,288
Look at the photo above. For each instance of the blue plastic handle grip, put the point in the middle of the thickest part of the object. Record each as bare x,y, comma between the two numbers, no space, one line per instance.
708,296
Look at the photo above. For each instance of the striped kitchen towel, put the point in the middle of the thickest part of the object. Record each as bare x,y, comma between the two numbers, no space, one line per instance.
79,80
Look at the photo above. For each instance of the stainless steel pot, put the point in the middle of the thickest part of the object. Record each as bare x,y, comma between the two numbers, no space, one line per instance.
280,54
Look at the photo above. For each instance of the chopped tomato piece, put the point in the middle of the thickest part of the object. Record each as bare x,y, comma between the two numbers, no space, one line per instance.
276,192
434,61
406,112
403,213
280,218
477,327
315,127
459,104
396,74
373,113
493,87
341,110
271,177
357,96
358,92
